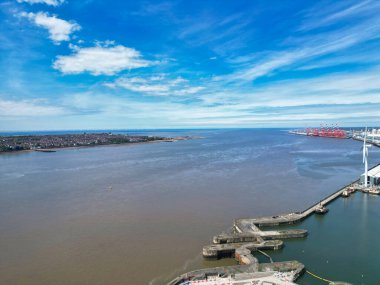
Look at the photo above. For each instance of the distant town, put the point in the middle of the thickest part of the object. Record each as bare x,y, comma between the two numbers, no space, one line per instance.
51,142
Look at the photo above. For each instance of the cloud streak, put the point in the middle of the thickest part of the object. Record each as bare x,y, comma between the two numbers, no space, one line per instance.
47,2
321,16
25,108
303,48
156,85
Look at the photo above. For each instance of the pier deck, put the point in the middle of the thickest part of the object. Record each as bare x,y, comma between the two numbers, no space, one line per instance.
253,236
251,224
238,273
228,249
247,236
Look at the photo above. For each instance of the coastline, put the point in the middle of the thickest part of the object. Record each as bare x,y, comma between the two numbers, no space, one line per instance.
55,149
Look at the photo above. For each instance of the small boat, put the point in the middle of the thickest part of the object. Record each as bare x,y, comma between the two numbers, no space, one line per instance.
374,191
321,210
345,194
351,190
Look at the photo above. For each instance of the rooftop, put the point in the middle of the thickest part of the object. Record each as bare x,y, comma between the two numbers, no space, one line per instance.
374,171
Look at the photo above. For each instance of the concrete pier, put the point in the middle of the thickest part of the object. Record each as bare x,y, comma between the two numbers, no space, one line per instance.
247,236
253,236
251,224
228,249
232,274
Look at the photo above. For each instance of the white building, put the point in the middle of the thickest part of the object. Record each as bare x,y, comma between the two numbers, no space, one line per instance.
373,176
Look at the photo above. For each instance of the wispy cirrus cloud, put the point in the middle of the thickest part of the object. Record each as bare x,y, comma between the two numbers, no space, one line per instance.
159,85
221,35
173,114
325,15
350,59
29,108
47,2
59,30
102,59
137,84
344,88
149,9
301,48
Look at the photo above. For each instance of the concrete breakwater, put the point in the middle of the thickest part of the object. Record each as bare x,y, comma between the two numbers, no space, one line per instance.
228,249
252,224
247,237
254,235
237,274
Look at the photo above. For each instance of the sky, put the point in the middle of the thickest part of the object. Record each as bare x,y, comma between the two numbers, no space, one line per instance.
97,64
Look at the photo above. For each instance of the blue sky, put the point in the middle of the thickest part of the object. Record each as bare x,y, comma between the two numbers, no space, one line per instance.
97,64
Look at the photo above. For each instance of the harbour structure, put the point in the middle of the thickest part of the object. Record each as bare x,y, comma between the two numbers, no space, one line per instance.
274,273
247,237
324,131
370,180
373,177
372,136
244,239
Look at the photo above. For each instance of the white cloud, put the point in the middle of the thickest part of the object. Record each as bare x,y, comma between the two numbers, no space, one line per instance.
329,89
47,2
140,85
59,30
189,90
164,113
100,59
27,108
157,85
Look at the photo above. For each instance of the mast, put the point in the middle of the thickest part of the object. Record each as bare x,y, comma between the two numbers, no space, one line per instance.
365,158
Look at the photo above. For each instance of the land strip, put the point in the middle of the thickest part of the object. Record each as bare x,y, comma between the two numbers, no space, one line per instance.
48,143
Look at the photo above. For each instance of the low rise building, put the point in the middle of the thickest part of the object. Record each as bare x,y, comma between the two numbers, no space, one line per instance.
373,176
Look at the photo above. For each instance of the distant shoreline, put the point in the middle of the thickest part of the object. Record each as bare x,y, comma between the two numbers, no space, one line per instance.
53,143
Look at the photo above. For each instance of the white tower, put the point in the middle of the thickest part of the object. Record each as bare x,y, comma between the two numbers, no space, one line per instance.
365,158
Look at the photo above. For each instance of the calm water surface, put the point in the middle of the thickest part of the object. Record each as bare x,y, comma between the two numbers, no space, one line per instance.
61,224
341,246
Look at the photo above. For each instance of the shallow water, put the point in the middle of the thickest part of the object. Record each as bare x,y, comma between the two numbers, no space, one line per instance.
61,223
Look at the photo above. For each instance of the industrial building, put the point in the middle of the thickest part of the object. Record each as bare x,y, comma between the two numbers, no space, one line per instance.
373,176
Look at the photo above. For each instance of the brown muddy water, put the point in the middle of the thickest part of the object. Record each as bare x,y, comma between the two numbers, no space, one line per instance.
62,223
